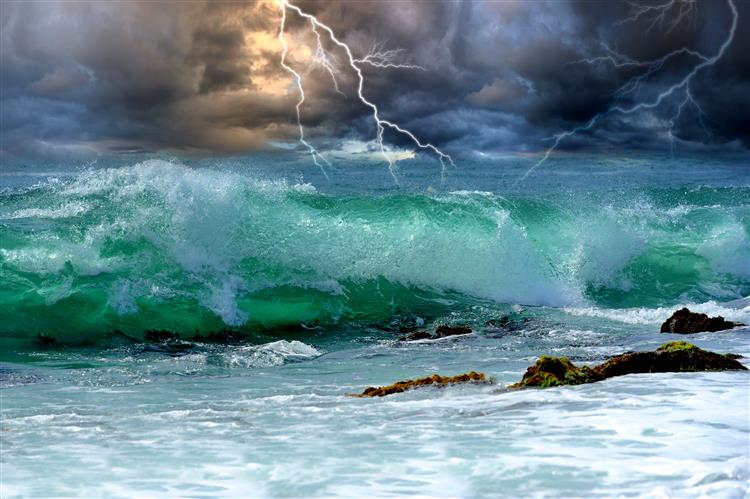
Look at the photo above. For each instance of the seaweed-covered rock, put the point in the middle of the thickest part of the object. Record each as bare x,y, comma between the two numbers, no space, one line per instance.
435,379
443,331
675,356
686,322
556,371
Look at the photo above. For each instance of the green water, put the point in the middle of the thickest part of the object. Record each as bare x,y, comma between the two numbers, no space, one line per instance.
159,245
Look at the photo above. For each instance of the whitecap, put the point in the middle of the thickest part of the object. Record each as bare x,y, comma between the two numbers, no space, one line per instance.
268,355
737,311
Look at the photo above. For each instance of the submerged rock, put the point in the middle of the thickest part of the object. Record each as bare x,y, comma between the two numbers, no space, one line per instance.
167,342
44,340
686,322
502,322
442,331
435,379
507,323
417,335
224,336
157,335
174,348
675,356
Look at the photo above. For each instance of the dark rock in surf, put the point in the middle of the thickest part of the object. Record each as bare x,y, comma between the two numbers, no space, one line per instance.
174,348
686,322
503,322
672,357
444,331
157,335
417,335
44,340
223,336
434,380
675,356
506,323
167,342
556,371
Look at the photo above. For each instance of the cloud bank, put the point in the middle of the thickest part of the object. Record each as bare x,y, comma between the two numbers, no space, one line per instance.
114,77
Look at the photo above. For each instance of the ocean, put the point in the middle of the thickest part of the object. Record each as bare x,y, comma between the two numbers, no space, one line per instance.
309,279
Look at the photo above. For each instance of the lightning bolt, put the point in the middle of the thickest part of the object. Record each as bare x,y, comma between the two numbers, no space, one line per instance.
298,81
655,15
322,58
376,58
686,101
620,61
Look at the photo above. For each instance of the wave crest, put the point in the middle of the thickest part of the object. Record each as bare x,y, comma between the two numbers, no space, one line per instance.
162,245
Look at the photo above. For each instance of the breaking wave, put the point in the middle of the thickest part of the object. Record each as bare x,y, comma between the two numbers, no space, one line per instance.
162,245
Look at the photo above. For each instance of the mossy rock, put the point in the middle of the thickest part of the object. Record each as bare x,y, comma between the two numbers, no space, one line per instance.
555,371
676,346
672,357
434,380
675,356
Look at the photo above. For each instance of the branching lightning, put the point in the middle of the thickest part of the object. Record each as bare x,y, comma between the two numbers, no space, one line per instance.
655,15
622,61
322,58
298,81
377,57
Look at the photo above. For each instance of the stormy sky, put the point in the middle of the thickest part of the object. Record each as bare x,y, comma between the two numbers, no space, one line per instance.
113,77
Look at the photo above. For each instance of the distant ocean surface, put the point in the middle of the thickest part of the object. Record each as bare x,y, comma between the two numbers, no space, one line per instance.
320,277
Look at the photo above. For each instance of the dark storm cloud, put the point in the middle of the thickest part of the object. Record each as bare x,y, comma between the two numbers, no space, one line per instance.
499,76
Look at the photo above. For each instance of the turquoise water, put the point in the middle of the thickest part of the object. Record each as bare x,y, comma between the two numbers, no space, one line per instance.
319,279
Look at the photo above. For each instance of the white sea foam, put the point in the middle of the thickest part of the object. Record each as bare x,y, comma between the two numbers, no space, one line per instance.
676,435
737,311
67,210
269,354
